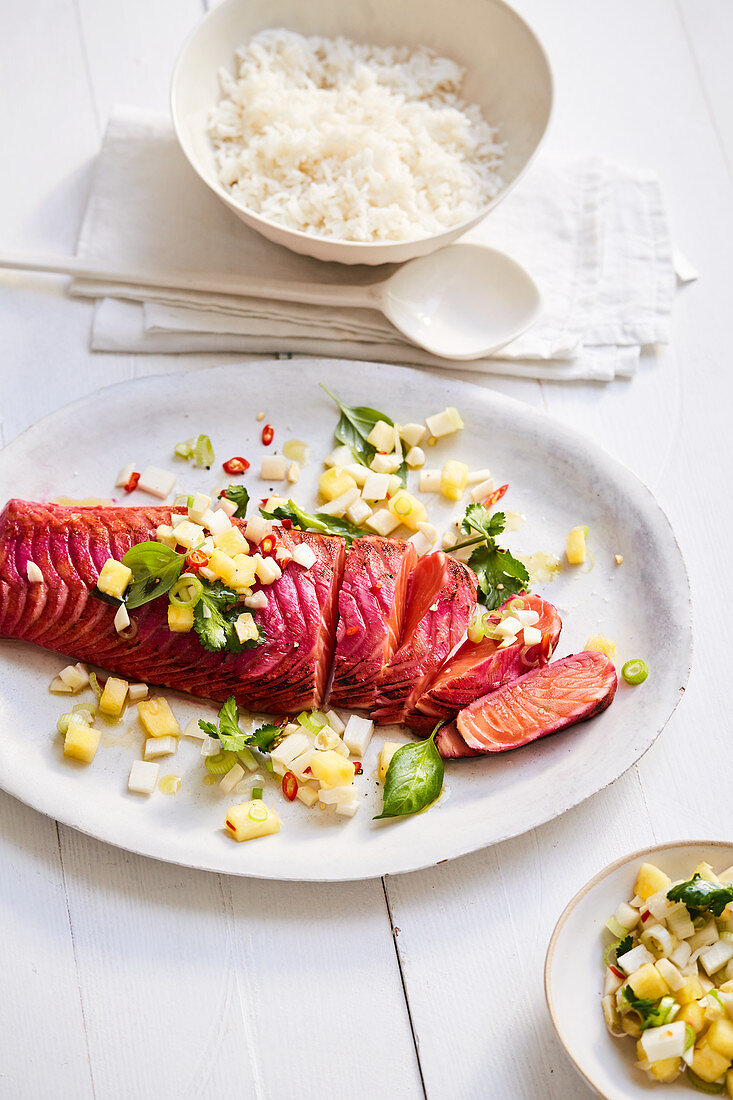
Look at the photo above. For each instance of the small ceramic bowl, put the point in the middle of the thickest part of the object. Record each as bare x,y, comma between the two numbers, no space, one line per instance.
574,970
508,76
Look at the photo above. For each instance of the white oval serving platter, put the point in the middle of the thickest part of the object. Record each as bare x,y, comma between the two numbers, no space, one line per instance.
558,479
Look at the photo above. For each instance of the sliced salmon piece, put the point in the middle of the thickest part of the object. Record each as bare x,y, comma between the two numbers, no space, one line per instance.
287,672
441,597
476,668
542,701
451,745
371,607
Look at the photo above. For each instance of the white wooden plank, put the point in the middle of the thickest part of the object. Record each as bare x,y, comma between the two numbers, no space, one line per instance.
41,1017
709,28
194,984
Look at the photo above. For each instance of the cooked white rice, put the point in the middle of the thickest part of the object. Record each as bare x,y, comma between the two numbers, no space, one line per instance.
352,142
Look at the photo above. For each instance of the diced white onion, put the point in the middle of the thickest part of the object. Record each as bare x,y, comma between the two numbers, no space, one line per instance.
257,528
659,940
376,486
430,481
663,1042
415,458
339,457
160,746
358,472
716,956
681,955
532,636
198,507
76,676
218,522
358,512
192,730
422,545
121,619
632,960
679,922
475,477
339,505
627,917
274,468
385,464
334,721
482,489
531,618
233,776
124,475
33,573
382,436
508,627
611,982
704,936
293,472
382,522
358,734
257,601
671,974
290,747
156,482
331,796
143,777
347,809
229,507
412,433
305,555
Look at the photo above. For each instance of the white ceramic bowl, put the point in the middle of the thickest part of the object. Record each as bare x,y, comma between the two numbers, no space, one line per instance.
508,75
574,970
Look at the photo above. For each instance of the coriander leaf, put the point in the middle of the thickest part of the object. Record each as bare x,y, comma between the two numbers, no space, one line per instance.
314,521
624,945
414,778
239,496
354,426
701,896
480,521
264,737
653,1013
229,719
155,569
209,728
214,617
499,574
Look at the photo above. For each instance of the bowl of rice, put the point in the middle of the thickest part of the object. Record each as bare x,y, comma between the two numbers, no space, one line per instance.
361,133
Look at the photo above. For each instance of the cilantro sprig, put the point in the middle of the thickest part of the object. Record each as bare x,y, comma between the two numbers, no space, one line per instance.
701,896
500,574
214,617
227,731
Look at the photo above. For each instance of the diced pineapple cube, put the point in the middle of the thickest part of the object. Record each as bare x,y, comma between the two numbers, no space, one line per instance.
692,1014
708,1064
232,542
252,819
334,482
666,1069
246,572
188,534
690,991
114,578
81,741
385,758
575,545
650,880
597,643
358,512
246,628
647,982
382,436
444,423
407,509
454,479
113,696
180,619
157,718
720,1038
223,565
332,769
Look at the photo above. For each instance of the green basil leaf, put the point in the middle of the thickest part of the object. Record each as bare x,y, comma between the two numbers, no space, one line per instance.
155,569
355,424
320,522
414,778
239,496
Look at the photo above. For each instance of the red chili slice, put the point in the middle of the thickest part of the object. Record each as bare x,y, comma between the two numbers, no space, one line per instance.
268,544
497,494
132,483
351,631
230,826
290,786
357,767
619,973
236,465
645,915
286,523
268,433
307,771
197,559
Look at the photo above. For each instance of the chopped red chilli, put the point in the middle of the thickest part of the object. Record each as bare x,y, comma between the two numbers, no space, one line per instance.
268,433
196,560
290,786
132,483
236,465
497,494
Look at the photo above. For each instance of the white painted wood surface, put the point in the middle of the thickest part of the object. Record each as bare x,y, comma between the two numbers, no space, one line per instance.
127,978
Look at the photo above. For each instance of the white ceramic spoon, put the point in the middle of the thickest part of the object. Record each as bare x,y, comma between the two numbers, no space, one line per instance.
461,302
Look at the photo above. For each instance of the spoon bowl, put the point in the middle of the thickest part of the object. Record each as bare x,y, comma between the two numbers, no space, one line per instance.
462,302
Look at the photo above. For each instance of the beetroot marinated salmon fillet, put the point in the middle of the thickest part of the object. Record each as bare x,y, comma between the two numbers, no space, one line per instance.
287,672
451,745
477,668
441,597
371,607
542,701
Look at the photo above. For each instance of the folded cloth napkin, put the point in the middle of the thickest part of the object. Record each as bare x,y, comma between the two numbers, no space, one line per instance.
593,235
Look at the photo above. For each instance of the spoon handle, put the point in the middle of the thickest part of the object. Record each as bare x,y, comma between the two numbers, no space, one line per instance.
355,297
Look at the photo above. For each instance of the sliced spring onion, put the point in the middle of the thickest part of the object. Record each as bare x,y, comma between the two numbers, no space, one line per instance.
221,762
258,813
616,929
476,629
635,671
402,506
257,793
246,758
203,452
63,723
313,722
87,709
517,604
185,449
711,1088
187,591
690,1036
609,955
95,686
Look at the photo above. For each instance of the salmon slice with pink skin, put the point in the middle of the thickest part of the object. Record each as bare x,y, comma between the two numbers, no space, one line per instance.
288,672
477,668
451,745
541,702
371,607
441,597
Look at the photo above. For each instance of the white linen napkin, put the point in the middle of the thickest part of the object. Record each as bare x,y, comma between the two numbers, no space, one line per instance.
592,234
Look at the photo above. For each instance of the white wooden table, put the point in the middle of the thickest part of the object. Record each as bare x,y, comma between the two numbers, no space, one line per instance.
122,977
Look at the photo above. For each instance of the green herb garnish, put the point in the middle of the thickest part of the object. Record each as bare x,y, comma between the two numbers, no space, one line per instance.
653,1013
239,496
701,896
155,569
414,778
314,521
214,617
500,574
355,424
231,736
